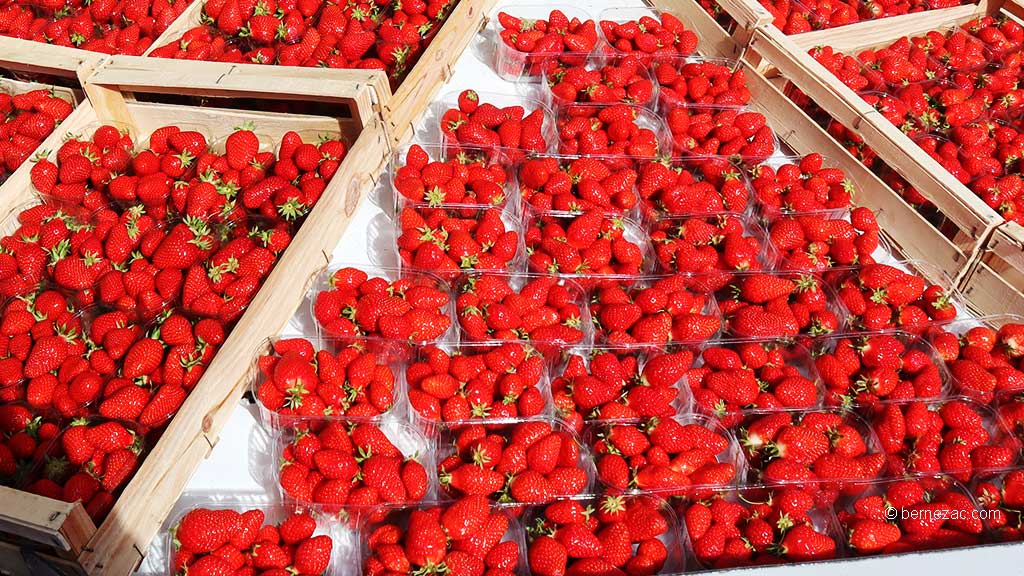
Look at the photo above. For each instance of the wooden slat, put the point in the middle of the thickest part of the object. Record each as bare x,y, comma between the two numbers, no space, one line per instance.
361,90
39,58
855,37
61,525
989,292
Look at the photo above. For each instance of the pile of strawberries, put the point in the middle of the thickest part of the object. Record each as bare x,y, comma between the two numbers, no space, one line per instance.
672,457
526,43
110,27
820,240
468,178
652,315
477,383
22,434
577,184
210,541
299,380
773,304
720,131
688,81
759,375
627,80
464,536
348,467
807,185
828,448
126,278
29,117
513,130
656,37
751,527
713,243
1003,495
611,534
531,461
364,35
543,310
355,307
982,359
911,515
877,367
685,187
619,130
882,297
615,384
955,437
586,246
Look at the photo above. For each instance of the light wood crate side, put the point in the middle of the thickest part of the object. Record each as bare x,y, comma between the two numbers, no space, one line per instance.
61,525
991,287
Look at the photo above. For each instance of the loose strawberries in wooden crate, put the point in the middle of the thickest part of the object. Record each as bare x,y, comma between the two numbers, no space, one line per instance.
604,534
29,117
1003,497
477,382
869,368
598,184
818,241
89,462
512,463
649,34
547,312
956,436
465,533
300,378
806,184
909,515
827,451
756,375
625,79
422,175
449,240
216,540
712,243
982,356
618,129
531,35
516,126
773,304
685,456
686,81
585,246
721,131
880,297
352,467
690,186
759,526
412,308
615,383
651,315
24,432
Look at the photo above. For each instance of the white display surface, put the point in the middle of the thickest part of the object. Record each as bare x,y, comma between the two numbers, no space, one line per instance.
241,465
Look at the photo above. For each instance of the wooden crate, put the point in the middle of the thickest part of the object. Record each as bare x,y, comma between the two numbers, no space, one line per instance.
410,98
30,57
970,222
907,230
995,284
60,532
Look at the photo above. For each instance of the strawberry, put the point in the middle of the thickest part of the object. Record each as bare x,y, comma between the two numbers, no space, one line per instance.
656,314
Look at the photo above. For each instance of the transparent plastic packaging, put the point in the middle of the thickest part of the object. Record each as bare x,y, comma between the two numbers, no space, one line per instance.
680,244
696,467
453,145
759,503
274,514
515,65
466,156
407,440
582,183
345,331
645,119
478,396
702,186
538,337
670,538
450,456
